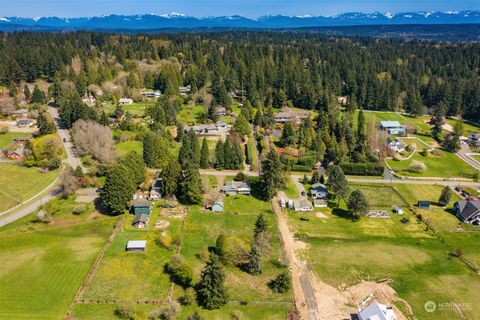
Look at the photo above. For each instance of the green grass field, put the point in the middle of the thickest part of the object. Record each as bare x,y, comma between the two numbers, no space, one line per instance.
343,252
125,147
191,115
44,265
448,165
18,183
291,189
6,139
203,227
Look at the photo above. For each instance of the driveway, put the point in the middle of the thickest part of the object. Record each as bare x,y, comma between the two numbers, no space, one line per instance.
463,154
73,160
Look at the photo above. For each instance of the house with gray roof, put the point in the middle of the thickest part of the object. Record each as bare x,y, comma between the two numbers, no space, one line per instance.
319,191
140,221
468,211
377,311
236,187
392,127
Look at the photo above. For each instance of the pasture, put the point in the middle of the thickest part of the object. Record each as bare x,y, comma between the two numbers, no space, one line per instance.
44,265
125,147
13,186
342,252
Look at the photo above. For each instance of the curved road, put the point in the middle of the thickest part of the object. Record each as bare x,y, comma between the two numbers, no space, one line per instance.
73,160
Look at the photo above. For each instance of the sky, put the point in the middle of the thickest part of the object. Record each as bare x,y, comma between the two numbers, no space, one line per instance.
247,8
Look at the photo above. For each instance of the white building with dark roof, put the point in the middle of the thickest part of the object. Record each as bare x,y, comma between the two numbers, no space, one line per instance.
377,311
468,211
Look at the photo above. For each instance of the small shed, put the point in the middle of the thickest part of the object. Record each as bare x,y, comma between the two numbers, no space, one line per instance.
397,209
136,246
140,221
141,206
319,203
422,204
282,202
215,203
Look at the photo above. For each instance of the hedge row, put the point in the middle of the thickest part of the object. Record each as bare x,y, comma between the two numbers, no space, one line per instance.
362,169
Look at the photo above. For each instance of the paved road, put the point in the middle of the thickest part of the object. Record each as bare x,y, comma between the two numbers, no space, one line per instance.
462,154
73,160
29,209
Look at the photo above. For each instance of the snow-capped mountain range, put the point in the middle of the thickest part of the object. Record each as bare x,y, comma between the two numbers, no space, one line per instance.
181,21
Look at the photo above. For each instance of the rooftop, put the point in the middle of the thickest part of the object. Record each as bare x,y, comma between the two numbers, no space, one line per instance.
390,124
135,244
141,203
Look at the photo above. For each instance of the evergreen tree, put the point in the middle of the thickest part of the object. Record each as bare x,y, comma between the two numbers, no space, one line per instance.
281,283
337,182
170,176
253,265
241,126
134,162
45,126
219,155
180,131
205,155
104,119
195,316
118,189
357,204
272,175
289,136
361,132
185,155
261,225
315,177
445,196
38,96
155,153
211,292
190,186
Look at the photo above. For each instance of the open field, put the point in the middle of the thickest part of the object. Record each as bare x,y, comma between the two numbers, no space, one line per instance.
14,187
125,147
126,276
448,165
6,139
44,265
191,115
343,252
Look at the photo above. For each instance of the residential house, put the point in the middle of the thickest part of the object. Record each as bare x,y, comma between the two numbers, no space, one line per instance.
140,221
397,209
236,187
218,129
20,140
125,101
474,139
220,111
289,115
392,127
20,113
17,154
89,100
396,145
423,204
141,206
136,245
155,193
151,94
468,211
302,205
23,123
377,311
185,89
319,191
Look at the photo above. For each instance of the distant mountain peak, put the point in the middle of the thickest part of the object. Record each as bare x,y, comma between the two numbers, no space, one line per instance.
182,21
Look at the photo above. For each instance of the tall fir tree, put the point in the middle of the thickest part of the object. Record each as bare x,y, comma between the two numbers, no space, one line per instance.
272,175
210,289
204,155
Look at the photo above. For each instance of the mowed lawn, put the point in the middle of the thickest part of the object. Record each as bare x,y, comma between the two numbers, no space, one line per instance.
125,147
19,183
343,252
6,139
448,165
191,115
43,266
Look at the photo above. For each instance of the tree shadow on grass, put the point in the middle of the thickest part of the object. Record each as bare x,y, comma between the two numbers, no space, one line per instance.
342,213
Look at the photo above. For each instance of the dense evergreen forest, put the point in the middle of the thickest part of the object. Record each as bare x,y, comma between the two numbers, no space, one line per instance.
309,69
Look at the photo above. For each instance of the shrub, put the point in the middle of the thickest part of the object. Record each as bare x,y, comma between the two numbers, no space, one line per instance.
240,177
79,209
168,313
458,252
235,251
424,152
281,283
437,153
411,147
124,312
417,166
180,271
4,130
188,296
165,241
362,169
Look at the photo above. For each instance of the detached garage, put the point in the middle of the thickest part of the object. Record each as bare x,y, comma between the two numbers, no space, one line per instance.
136,246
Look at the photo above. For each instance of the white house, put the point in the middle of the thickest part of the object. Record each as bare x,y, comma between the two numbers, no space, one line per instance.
136,246
474,139
185,89
302,205
377,311
468,211
319,191
396,145
125,101
150,94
